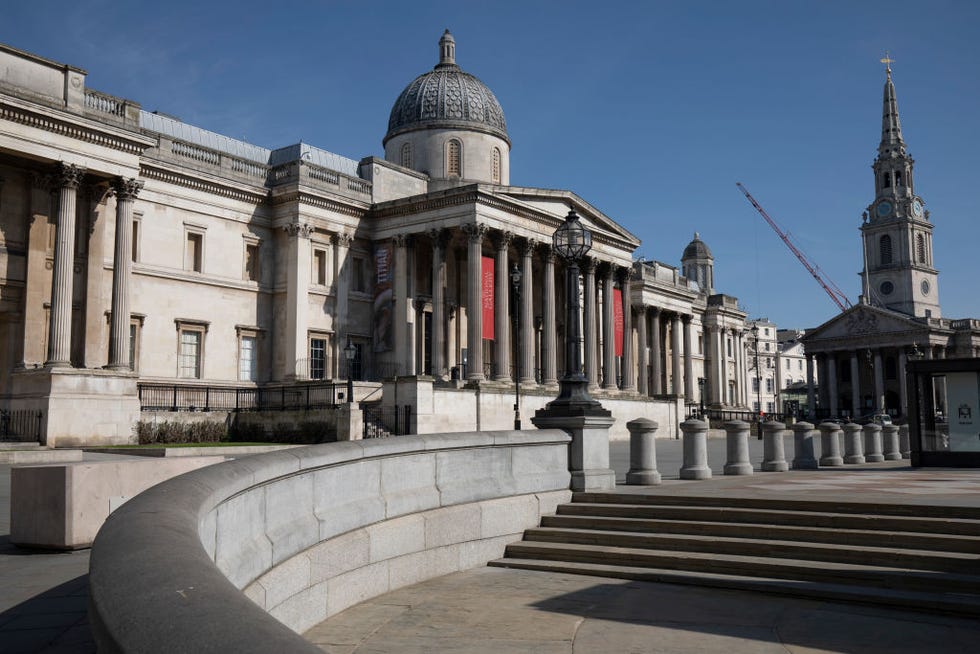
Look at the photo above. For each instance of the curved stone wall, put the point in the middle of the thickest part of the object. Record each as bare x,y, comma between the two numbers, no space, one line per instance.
241,556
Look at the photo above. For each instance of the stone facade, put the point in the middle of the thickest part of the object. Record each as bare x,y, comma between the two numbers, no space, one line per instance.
139,249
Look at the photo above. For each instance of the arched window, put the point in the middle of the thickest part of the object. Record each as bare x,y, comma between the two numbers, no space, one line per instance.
495,166
885,249
920,248
454,156
887,180
407,155
898,178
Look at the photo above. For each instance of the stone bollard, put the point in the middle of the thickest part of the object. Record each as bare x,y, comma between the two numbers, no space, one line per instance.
803,457
695,450
643,453
853,448
872,443
737,435
830,434
889,438
774,452
905,445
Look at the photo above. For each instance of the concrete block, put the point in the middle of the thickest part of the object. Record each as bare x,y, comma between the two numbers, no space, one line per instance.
348,497
339,555
285,580
499,517
291,524
304,609
356,586
454,524
242,551
428,564
408,484
396,537
63,506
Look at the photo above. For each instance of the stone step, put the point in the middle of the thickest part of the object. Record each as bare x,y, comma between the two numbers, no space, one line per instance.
876,576
943,603
959,562
810,518
845,537
819,506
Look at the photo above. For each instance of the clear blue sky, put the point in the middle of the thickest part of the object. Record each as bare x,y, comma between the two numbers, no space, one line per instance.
651,111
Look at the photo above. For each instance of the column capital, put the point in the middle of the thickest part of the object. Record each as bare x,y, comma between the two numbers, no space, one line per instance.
41,181
475,231
343,239
69,175
686,318
587,264
623,274
439,238
527,246
126,189
400,240
300,230
548,254
501,239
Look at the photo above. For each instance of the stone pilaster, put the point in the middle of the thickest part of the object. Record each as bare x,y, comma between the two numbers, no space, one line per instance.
501,305
629,363
656,353
439,239
341,282
642,385
297,298
688,360
589,326
474,300
126,191
675,354
404,346
549,326
608,332
527,312
32,350
68,178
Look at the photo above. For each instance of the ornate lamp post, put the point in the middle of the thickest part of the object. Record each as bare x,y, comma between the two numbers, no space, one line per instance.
515,282
350,352
701,395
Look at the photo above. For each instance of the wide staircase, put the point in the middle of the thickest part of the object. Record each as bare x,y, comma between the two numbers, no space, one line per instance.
916,557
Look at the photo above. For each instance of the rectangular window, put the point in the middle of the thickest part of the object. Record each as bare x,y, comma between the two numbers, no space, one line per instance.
770,407
252,262
189,365
360,274
729,347
755,384
135,254
788,362
134,344
320,267
755,407
769,384
767,347
247,359
799,365
193,251
318,358
700,343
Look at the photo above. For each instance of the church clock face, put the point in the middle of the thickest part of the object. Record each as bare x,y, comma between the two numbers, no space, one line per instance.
917,208
884,208
925,287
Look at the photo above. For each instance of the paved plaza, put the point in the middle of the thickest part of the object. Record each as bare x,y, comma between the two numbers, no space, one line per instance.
43,601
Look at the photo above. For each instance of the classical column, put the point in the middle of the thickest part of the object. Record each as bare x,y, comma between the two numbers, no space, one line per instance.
878,403
68,178
629,363
743,397
589,326
903,399
811,391
404,348
832,383
440,238
718,361
549,355
549,326
675,354
474,300
656,353
501,306
297,298
642,386
341,281
855,386
688,360
608,331
723,361
126,191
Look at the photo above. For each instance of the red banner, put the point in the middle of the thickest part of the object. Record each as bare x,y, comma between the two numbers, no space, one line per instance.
618,320
487,284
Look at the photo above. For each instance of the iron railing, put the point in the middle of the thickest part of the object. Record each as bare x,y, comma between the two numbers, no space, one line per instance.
384,421
184,397
21,425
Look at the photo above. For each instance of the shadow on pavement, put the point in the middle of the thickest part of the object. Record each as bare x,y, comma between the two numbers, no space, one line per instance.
54,621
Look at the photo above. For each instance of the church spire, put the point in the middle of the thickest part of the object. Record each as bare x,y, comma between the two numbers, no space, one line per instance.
891,128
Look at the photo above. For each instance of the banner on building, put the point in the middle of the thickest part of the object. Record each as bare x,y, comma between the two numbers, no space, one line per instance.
487,295
384,309
618,320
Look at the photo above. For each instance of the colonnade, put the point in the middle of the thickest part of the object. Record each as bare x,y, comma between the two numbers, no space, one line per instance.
859,381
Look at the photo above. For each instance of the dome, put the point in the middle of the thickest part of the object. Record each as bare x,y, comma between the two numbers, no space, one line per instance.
447,97
696,249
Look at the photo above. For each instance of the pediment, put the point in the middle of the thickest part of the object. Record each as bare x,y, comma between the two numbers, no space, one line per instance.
863,321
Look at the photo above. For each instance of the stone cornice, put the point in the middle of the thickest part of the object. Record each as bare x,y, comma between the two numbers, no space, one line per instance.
73,126
346,206
198,182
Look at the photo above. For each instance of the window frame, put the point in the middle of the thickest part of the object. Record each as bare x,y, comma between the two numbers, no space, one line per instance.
200,232
191,325
249,243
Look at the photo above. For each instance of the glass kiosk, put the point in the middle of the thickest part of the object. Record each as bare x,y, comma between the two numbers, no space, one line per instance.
944,412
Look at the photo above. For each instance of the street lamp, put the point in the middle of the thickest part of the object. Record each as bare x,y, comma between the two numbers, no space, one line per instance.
515,282
701,395
350,352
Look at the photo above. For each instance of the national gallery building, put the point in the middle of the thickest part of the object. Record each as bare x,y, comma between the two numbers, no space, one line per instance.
136,249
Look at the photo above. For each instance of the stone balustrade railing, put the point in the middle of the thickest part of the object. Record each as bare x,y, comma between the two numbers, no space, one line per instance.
110,106
320,177
245,555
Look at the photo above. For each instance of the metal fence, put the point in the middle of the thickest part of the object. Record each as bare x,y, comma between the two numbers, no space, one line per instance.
177,397
384,421
23,425
720,415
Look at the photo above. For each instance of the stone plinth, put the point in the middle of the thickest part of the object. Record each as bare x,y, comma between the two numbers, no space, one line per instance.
803,452
872,443
773,448
643,453
737,435
588,453
695,450
853,447
830,455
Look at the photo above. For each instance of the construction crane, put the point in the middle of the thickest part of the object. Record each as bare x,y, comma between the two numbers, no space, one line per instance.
830,287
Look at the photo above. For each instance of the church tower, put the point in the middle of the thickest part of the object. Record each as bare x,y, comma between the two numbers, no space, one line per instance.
898,266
